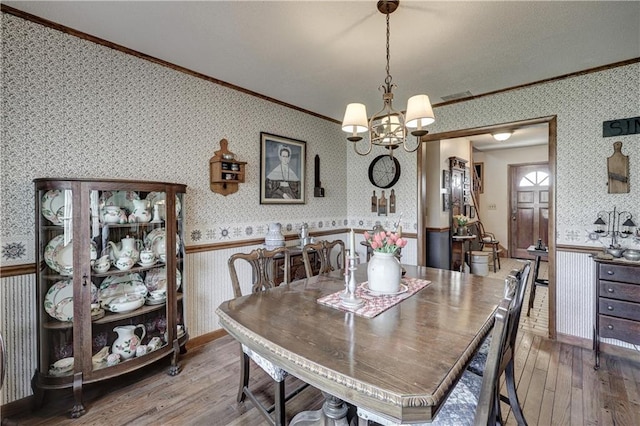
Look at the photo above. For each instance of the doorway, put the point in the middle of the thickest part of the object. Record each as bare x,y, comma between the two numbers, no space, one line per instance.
529,207
426,169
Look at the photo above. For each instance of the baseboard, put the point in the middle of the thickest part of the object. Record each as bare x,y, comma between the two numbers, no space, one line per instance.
606,348
203,339
15,409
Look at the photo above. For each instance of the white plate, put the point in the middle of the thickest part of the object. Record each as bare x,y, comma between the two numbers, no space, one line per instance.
156,279
121,285
58,259
156,241
53,206
64,309
118,198
403,289
57,293
158,198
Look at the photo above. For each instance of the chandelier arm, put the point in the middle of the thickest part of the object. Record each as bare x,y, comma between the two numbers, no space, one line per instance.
355,148
404,145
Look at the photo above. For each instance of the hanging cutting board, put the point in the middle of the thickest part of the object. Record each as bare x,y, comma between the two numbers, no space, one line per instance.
618,170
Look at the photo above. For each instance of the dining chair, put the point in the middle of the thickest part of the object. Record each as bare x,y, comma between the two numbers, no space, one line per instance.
488,240
474,399
326,256
263,263
478,362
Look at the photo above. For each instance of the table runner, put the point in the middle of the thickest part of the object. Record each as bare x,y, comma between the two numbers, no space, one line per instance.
374,305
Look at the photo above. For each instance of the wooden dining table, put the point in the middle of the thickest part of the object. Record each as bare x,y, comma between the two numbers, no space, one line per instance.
401,364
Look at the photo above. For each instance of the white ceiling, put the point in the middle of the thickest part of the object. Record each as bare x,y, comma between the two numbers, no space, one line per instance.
319,56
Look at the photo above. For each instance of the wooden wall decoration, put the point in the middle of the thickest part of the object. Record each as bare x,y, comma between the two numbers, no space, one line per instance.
618,170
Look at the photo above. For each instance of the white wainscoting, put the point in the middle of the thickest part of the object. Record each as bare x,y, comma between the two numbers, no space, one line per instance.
19,329
575,296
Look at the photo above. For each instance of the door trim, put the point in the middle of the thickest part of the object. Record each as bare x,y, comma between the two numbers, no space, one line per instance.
552,122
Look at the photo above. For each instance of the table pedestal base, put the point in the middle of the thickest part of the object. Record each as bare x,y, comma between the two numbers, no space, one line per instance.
332,413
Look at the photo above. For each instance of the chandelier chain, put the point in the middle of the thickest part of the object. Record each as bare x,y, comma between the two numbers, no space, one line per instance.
388,79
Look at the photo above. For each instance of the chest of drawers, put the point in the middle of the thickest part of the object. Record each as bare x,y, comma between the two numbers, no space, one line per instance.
617,303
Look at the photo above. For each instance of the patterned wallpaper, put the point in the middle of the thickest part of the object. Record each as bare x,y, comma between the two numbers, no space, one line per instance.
581,104
72,108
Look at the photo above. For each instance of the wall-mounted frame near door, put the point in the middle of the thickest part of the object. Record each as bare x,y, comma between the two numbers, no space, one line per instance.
551,121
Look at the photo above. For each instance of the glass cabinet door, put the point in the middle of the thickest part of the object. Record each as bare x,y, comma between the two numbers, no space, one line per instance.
55,278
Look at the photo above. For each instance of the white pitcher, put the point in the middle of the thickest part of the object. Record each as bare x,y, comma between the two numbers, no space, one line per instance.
141,211
127,342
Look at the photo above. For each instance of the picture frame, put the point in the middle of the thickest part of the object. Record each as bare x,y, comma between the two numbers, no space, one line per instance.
283,167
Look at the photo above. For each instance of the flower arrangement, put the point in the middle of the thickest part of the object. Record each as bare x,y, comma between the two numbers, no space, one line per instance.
461,220
385,242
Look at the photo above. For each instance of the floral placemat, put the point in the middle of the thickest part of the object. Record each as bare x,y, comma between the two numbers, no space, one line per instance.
374,305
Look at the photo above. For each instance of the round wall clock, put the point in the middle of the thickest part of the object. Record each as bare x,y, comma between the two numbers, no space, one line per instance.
384,171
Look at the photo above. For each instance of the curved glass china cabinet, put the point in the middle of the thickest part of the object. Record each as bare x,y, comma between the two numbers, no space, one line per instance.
106,302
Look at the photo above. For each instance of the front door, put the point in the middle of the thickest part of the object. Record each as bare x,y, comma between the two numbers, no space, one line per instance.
529,206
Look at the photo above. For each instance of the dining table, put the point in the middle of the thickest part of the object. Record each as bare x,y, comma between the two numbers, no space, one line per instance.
400,363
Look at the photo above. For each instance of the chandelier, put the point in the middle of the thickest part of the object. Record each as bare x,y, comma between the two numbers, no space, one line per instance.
388,128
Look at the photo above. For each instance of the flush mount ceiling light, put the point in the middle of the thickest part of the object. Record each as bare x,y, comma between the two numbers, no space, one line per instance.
502,136
388,128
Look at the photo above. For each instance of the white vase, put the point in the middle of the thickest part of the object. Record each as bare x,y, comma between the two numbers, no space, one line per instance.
384,273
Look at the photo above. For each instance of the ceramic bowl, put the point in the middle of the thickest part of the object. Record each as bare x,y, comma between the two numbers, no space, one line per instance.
127,303
124,263
631,254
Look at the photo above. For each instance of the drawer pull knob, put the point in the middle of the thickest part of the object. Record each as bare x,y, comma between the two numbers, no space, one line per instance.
610,308
610,327
609,272
610,290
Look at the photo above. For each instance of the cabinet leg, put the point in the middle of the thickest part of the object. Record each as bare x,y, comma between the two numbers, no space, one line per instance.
174,369
78,408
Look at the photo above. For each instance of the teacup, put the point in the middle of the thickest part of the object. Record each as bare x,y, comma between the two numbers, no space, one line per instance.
124,263
147,257
157,294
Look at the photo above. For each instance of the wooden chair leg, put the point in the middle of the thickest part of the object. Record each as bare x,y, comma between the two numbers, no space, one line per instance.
244,376
495,255
513,395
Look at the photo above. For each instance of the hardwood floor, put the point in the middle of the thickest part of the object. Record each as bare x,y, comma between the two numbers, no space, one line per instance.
556,384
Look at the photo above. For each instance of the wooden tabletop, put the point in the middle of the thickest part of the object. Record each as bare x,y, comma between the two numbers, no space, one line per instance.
401,363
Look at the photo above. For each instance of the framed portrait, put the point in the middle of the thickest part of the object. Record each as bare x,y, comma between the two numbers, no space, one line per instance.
283,167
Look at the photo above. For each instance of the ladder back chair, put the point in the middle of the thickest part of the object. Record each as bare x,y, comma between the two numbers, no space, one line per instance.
325,253
263,264
507,366
474,399
488,240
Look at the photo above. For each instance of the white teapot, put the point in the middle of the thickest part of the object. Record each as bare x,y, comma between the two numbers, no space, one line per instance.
127,247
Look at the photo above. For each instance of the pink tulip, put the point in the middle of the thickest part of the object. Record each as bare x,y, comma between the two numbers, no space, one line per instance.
401,242
375,245
366,236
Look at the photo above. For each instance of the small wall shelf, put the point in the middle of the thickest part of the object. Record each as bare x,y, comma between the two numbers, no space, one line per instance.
225,172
